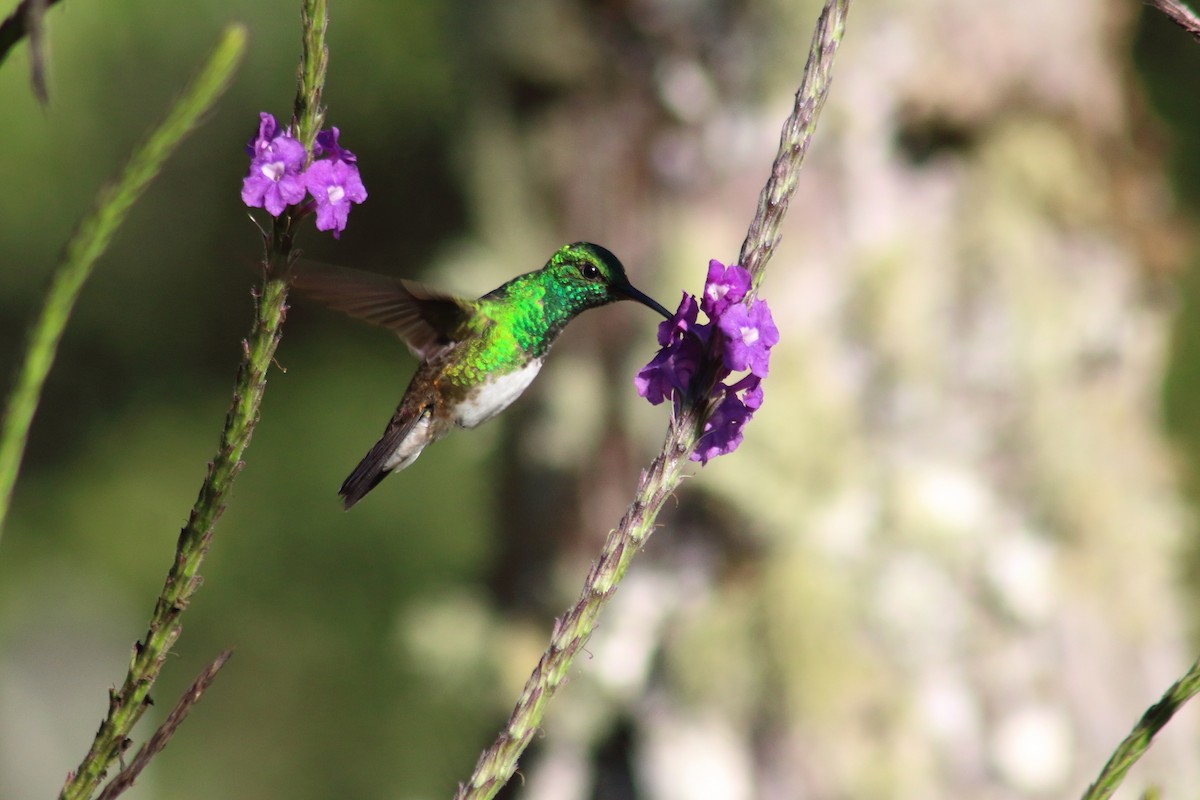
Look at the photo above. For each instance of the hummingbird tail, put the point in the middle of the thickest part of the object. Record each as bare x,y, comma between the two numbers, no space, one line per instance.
402,441
361,481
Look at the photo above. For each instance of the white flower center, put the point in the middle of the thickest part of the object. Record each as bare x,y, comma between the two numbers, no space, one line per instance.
274,170
335,193
749,335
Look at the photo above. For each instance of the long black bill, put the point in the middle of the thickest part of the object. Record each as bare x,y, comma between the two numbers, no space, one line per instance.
634,294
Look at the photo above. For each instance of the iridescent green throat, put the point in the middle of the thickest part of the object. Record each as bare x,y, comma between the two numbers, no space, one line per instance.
519,320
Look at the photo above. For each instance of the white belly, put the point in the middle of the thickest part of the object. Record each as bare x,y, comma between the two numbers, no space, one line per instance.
497,395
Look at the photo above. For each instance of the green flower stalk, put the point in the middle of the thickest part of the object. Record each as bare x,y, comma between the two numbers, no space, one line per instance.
1138,741
155,744
129,701
571,631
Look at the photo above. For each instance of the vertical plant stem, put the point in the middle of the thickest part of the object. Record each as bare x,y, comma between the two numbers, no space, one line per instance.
572,630
763,236
497,764
124,779
89,242
1138,741
127,703
308,112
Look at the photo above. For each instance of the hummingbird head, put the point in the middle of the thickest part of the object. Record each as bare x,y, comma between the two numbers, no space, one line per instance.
593,276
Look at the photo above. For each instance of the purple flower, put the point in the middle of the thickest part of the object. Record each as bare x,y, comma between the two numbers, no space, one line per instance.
266,132
751,388
334,185
327,145
723,287
275,179
670,372
750,333
656,380
723,431
754,398
683,344
679,326
745,336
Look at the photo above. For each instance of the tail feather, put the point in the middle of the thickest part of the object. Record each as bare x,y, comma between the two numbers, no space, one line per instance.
365,477
382,458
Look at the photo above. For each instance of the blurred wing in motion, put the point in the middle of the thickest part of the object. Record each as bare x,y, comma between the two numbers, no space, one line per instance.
427,320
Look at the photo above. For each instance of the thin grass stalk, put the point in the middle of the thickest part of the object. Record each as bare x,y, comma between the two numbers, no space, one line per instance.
1138,741
90,241
129,701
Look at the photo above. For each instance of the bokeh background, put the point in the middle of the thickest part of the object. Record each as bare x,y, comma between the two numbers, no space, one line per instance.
954,558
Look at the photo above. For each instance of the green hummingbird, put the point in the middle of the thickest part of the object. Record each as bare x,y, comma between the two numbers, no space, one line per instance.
476,356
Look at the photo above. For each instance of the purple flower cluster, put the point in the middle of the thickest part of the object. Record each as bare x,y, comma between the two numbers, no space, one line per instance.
740,336
277,177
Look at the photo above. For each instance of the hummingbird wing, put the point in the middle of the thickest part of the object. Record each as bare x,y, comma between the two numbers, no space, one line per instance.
427,320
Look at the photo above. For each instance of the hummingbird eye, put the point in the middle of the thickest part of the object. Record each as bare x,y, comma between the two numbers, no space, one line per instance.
590,271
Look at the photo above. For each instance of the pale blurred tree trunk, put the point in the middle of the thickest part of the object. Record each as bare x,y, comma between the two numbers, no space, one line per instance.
945,561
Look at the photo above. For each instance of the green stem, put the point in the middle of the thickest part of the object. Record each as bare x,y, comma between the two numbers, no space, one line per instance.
571,631
155,744
127,703
308,112
90,240
1138,740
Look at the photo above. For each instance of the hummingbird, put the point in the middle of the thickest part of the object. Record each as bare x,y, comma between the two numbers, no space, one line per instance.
476,356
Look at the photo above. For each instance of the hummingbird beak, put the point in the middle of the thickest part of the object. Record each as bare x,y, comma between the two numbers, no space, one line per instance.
633,294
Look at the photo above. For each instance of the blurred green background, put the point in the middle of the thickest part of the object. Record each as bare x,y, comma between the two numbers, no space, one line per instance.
377,652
